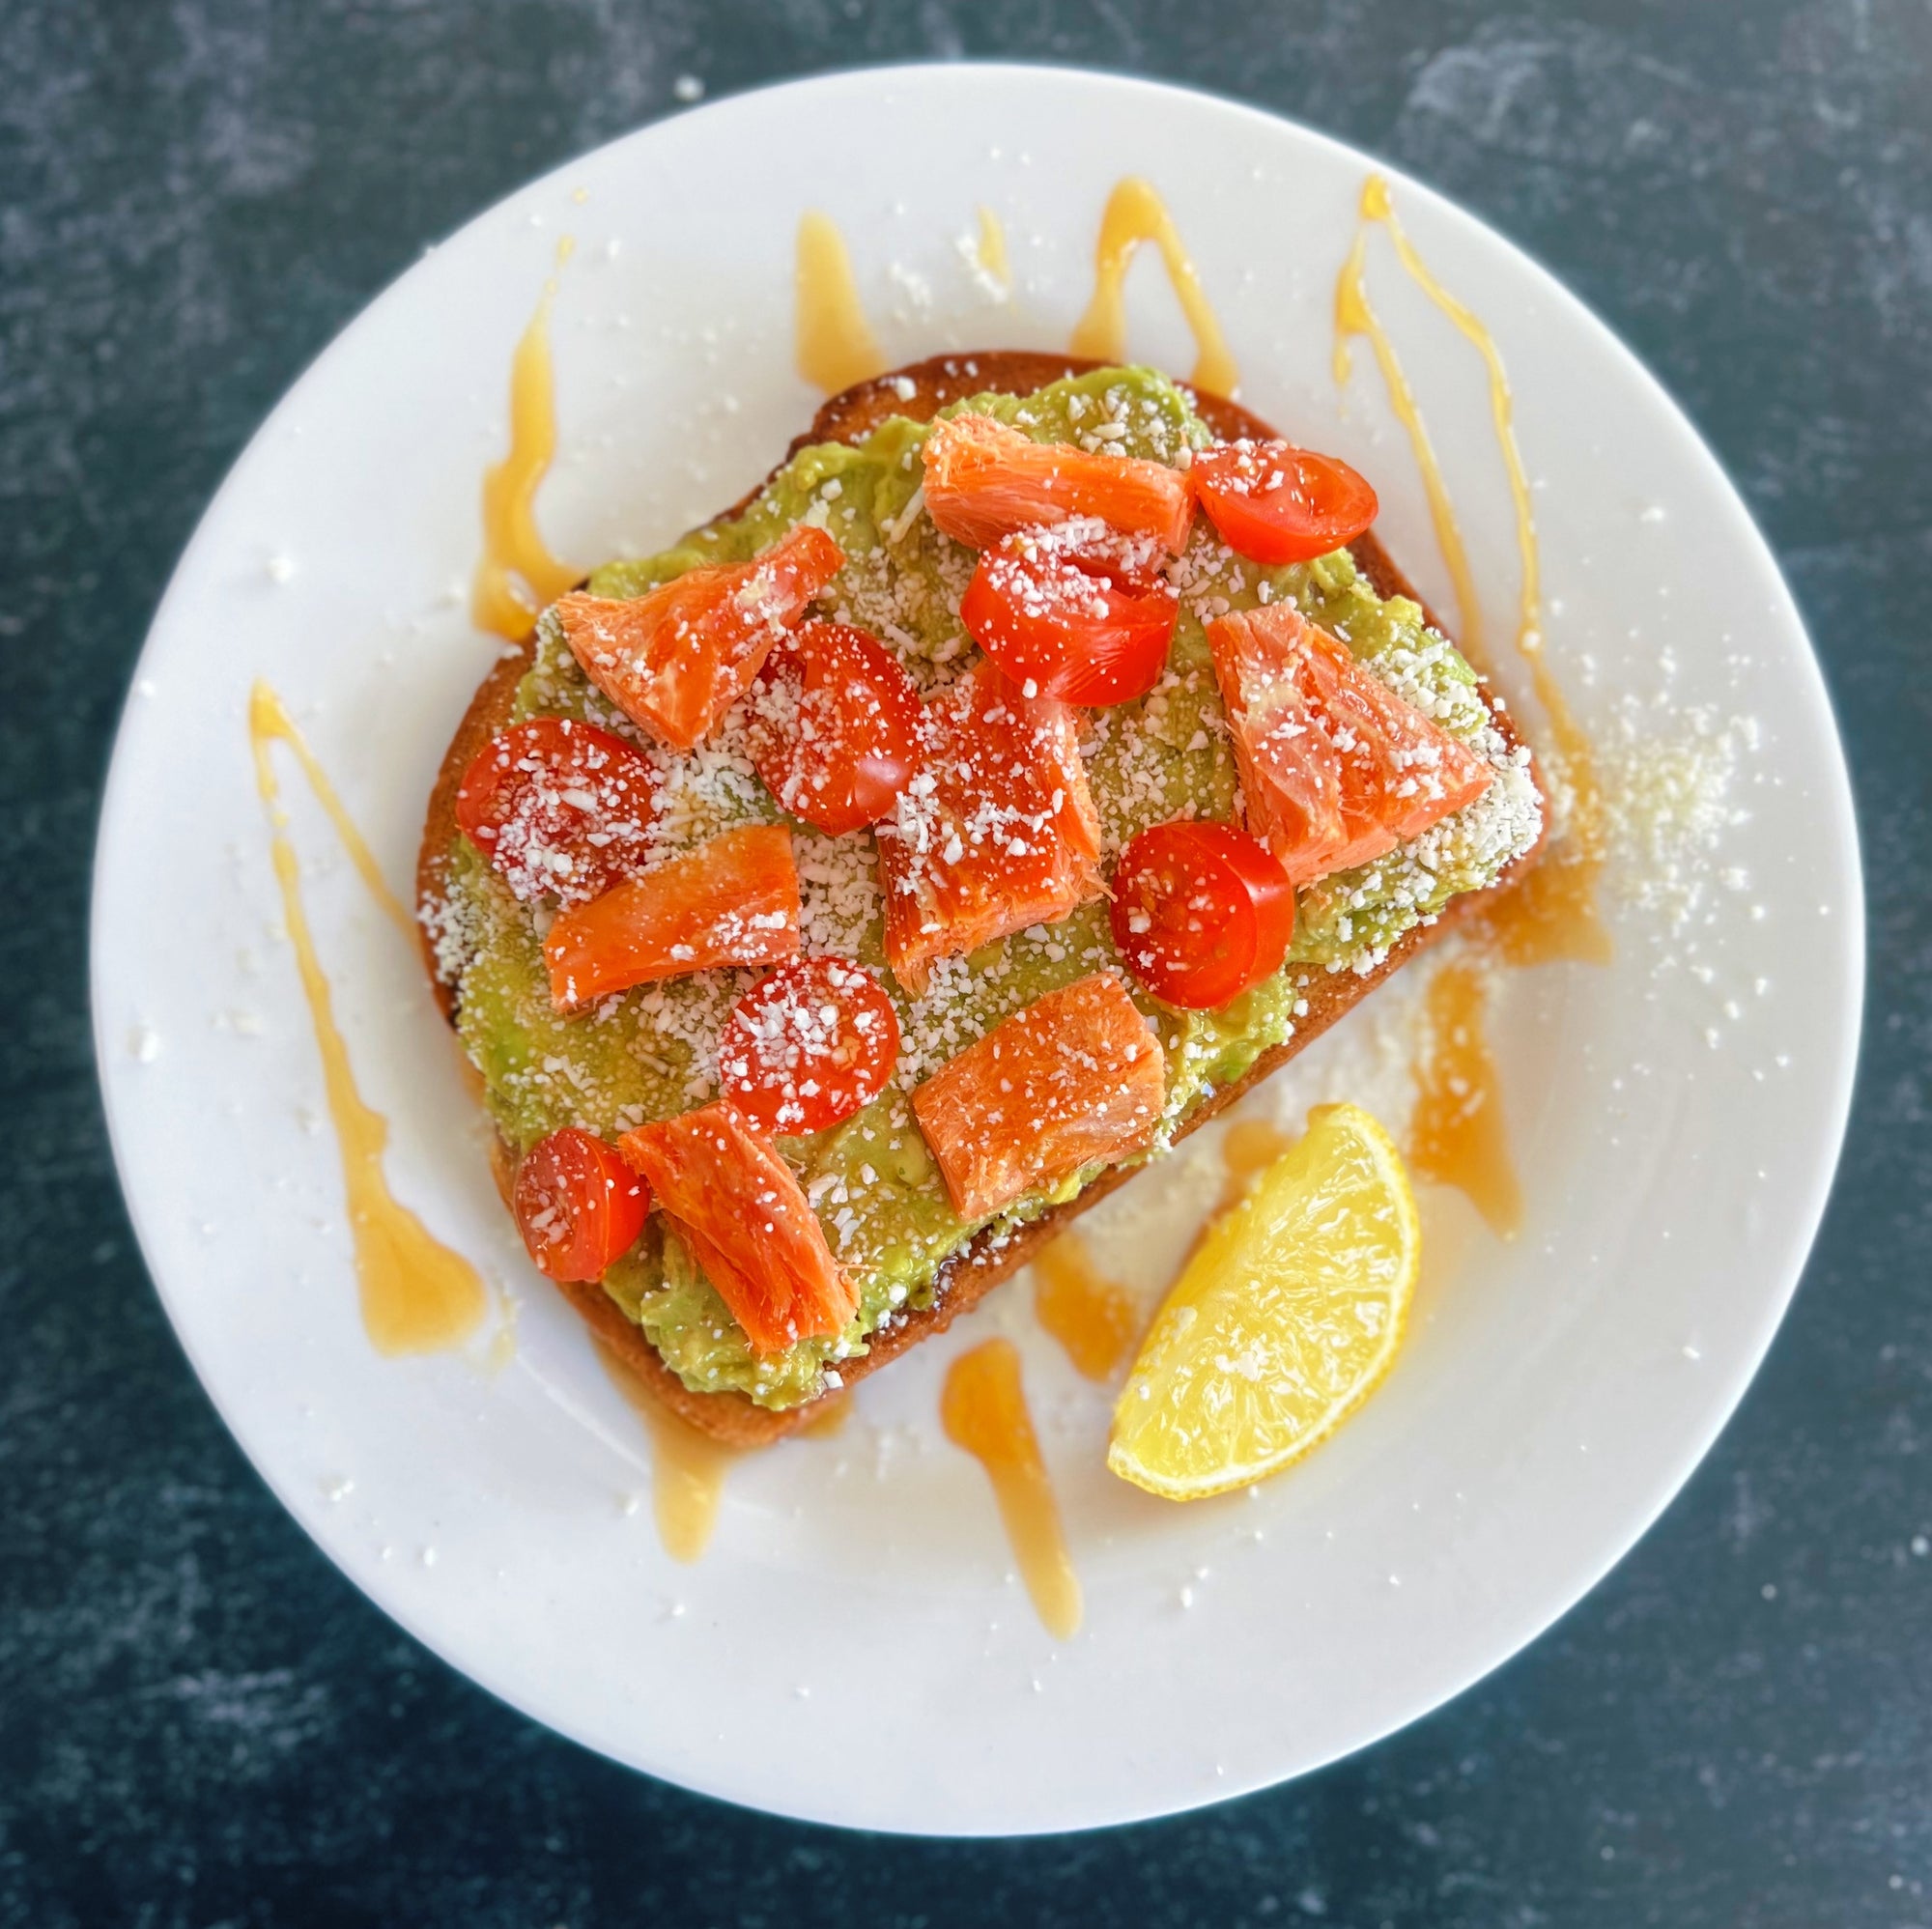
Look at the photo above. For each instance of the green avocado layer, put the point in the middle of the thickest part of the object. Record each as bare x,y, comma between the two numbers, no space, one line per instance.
647,1054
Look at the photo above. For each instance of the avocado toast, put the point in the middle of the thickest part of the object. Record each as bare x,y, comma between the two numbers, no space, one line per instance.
897,1230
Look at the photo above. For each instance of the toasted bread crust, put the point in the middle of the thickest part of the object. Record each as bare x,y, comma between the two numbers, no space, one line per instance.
979,1267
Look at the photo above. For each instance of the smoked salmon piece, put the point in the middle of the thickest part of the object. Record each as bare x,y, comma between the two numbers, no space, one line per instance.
984,480
1337,770
996,831
732,901
746,1220
1074,1077
676,657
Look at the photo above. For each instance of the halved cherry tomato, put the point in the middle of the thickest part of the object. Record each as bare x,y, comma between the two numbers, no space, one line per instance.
1073,611
559,807
1074,1077
732,901
835,727
984,480
998,832
580,1207
809,1046
747,1221
675,659
1277,503
1336,769
1201,913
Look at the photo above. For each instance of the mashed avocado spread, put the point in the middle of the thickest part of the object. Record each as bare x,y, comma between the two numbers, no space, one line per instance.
648,1053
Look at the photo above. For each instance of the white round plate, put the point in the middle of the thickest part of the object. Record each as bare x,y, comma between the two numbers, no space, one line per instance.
854,1648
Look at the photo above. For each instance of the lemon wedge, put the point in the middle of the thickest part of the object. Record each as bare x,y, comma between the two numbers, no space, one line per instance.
1282,1323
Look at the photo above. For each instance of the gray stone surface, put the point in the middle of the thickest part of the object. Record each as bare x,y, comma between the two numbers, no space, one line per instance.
201,1723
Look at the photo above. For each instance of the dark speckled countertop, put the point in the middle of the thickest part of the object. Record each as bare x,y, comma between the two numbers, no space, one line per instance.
201,1722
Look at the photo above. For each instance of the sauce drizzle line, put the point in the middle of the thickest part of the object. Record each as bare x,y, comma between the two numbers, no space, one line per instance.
1551,913
992,248
984,1409
417,1296
516,577
688,1468
1136,213
1095,1320
835,347
1458,1136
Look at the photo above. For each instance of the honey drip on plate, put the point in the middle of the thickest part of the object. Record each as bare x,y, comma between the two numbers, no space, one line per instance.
688,1468
1136,213
1551,913
834,343
984,1409
992,248
417,1296
1355,316
829,1415
1249,1147
1094,1319
516,575
1458,1136
269,722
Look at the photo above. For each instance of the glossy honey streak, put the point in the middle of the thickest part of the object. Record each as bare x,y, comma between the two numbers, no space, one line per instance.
1355,316
1551,913
1248,1149
516,575
269,722
835,347
829,1415
1095,1321
1459,1136
688,1469
1135,213
984,1409
992,248
417,1296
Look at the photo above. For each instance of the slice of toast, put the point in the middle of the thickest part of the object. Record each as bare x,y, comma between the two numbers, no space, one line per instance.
918,392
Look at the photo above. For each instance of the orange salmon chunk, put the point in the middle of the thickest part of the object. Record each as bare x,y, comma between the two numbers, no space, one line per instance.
998,832
1336,769
984,480
1074,1077
737,1206
676,657
732,901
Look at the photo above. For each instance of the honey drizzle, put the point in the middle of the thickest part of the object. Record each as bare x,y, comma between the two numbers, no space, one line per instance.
1551,913
1135,213
516,575
835,343
1093,1318
1355,316
829,1415
417,1296
268,721
1457,1135
992,248
1249,1147
688,1468
984,1409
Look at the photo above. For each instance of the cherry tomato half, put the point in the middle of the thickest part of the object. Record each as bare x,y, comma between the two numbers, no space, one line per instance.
1079,613
580,1207
1201,913
809,1046
835,727
559,807
1277,503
